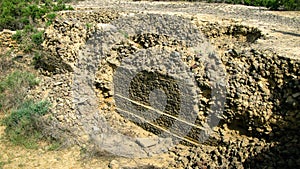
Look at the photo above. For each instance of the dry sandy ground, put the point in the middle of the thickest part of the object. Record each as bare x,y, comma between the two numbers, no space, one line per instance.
12,156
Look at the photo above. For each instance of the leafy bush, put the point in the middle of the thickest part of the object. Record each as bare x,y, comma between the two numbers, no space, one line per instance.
37,38
13,89
29,38
24,16
50,17
291,4
17,36
23,121
16,14
22,124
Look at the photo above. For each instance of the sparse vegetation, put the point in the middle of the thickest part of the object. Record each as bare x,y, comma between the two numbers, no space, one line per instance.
50,17
24,16
1,164
29,39
22,124
55,145
89,25
16,14
271,4
22,115
13,89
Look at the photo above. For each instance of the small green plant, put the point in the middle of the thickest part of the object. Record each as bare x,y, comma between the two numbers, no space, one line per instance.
29,38
13,89
1,164
29,28
50,17
61,6
89,25
55,145
125,34
38,59
37,38
22,124
17,36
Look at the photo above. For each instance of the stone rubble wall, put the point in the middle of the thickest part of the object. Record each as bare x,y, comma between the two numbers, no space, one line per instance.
263,91
6,40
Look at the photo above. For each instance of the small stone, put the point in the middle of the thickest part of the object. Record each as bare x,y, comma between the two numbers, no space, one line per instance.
95,128
146,142
184,161
114,164
57,83
60,104
60,117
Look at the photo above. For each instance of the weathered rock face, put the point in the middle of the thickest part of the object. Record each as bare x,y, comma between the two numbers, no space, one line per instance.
6,40
262,90
63,40
88,16
258,81
65,37
263,94
240,32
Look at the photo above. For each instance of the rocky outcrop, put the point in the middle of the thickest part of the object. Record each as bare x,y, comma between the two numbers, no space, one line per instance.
6,40
260,112
67,35
63,40
90,16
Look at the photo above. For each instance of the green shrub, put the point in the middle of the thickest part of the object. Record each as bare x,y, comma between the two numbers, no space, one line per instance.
291,4
29,38
88,25
25,14
37,38
22,124
13,89
2,164
18,79
23,120
29,29
50,17
272,4
38,59
18,36
16,14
